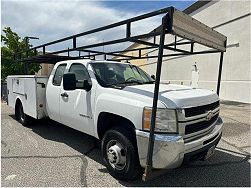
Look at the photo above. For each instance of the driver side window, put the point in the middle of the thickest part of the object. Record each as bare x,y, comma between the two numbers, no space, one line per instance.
80,72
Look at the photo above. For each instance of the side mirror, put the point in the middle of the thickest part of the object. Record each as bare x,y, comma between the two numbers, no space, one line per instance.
153,77
69,81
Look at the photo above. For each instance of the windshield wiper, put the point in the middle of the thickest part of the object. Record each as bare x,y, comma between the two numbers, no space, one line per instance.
128,82
149,82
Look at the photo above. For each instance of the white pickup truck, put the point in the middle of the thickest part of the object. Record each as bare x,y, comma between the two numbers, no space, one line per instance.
112,102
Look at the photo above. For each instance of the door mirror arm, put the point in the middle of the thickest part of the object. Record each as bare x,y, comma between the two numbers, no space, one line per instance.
86,85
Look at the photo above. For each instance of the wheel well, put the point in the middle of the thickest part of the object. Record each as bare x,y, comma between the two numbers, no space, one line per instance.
108,120
18,102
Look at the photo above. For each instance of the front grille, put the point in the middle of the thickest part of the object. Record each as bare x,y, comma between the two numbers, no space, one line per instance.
194,111
200,125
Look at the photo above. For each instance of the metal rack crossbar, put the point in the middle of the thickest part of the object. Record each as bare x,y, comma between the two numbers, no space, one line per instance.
174,22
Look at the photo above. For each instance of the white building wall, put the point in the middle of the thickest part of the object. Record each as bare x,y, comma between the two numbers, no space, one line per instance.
236,75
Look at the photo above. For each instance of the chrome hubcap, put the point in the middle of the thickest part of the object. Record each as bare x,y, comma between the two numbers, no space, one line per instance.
116,154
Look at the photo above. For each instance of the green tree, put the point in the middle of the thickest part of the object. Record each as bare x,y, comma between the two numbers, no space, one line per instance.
13,43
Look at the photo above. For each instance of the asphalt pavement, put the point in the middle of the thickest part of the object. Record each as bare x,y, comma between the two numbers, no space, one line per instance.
51,154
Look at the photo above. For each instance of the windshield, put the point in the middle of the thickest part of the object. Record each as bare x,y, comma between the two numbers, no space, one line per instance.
120,74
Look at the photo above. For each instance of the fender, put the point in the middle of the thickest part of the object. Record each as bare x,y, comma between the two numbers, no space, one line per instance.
124,106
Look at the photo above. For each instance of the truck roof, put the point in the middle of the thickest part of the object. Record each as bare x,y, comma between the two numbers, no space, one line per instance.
86,61
26,76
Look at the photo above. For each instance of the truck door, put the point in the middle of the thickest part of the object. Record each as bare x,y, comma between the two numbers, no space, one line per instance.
53,92
75,106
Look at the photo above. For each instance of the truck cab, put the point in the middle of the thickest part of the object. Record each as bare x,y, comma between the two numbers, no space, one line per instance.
112,98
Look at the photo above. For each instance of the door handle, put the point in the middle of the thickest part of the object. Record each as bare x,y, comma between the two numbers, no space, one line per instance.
64,94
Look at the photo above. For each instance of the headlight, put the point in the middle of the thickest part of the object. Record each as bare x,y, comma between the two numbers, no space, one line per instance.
166,120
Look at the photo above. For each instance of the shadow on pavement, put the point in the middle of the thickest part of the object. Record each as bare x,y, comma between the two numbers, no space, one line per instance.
223,169
81,142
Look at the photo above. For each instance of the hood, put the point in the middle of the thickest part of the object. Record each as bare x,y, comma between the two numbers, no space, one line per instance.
173,96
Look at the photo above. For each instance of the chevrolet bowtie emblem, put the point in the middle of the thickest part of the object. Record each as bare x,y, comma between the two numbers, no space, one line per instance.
209,115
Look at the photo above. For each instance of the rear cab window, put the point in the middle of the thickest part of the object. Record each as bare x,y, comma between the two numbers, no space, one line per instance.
57,79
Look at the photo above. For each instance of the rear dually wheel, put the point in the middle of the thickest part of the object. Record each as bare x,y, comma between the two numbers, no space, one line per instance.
20,116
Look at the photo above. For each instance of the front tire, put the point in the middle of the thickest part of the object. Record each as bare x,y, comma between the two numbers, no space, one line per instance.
119,151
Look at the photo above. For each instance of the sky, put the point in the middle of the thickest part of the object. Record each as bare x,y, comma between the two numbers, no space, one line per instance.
54,19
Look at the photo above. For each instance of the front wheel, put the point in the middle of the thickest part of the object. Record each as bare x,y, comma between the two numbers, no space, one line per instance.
120,154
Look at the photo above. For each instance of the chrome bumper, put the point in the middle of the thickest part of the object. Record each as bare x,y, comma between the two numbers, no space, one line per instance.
169,150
